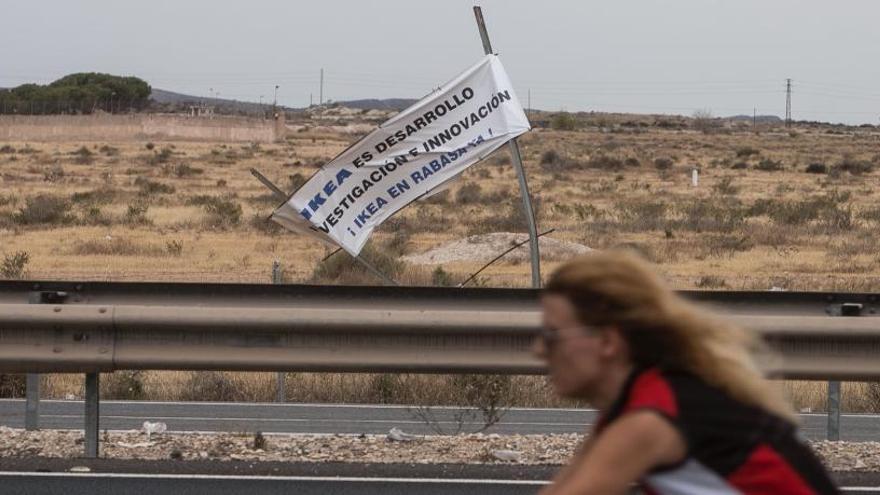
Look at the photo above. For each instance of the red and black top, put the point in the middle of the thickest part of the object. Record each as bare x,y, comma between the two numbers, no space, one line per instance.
732,448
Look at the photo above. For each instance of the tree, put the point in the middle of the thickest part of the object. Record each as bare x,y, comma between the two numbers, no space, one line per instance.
704,121
81,93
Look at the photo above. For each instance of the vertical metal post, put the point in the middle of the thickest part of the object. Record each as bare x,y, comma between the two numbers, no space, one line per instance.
32,402
833,432
516,158
277,278
92,414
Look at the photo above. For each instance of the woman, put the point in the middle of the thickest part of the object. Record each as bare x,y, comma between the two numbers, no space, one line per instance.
683,407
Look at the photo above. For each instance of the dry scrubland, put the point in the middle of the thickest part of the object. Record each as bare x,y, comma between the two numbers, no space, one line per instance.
796,210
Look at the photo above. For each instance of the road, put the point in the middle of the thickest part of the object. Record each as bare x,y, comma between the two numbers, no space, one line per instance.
148,484
353,419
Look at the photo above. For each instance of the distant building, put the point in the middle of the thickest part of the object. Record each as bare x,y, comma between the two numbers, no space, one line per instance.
201,110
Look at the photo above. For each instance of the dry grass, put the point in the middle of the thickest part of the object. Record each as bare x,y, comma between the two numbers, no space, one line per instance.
766,214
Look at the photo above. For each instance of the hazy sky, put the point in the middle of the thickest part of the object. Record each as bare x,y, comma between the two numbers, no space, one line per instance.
644,56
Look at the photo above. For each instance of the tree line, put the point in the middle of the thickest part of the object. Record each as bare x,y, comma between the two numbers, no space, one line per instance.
81,93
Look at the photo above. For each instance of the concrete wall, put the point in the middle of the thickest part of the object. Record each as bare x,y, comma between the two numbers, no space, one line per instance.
134,127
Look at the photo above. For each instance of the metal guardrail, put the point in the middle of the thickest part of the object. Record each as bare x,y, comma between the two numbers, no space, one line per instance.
94,327
88,327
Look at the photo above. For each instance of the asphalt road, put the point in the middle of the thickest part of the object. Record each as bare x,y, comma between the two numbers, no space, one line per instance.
352,419
145,484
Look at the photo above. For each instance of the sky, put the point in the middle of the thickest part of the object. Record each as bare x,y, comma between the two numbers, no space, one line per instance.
636,56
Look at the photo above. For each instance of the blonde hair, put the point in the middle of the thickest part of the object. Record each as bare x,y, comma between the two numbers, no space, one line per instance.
662,329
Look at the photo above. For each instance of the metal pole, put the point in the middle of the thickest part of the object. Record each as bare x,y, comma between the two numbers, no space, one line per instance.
277,277
281,195
92,414
32,402
833,411
520,172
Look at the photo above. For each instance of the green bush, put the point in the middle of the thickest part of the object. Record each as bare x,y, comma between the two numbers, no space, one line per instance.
563,122
77,93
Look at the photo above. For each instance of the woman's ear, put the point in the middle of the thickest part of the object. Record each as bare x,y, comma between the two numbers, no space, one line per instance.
612,345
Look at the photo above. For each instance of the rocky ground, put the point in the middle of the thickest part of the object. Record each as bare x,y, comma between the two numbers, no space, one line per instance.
396,447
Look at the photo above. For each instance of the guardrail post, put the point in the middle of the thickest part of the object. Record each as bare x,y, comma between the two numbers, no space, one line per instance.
32,402
278,278
833,432
833,428
92,414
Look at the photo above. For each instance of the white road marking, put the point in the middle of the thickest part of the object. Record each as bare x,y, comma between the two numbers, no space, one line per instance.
344,479
296,420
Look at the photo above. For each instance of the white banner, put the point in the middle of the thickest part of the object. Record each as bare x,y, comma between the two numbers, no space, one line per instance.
406,157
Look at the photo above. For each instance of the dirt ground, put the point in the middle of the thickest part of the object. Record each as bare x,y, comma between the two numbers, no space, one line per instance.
792,209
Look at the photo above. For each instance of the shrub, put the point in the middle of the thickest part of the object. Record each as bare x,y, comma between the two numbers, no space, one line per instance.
639,214
632,162
469,193
109,150
704,121
768,165
563,122
136,214
103,195
725,186
149,146
123,385
94,216
163,155
663,163
740,166
116,246
605,162
441,278
746,152
54,173
853,166
149,187
261,223
816,168
83,156
222,212
12,386
13,266
711,215
341,269
296,181
711,282
550,157
7,149
44,209
174,247
183,170
213,386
